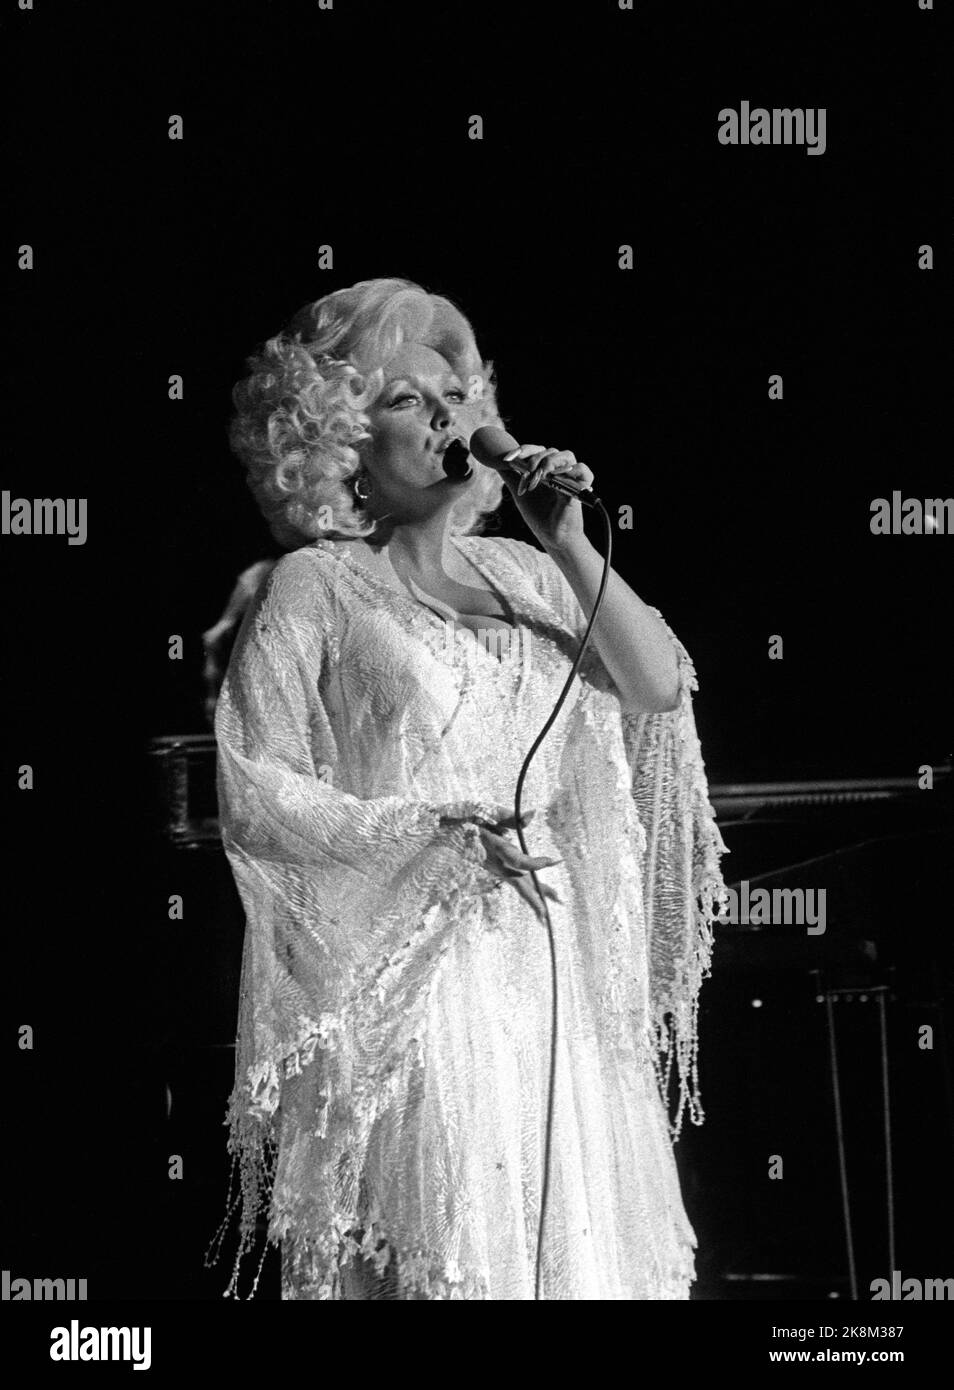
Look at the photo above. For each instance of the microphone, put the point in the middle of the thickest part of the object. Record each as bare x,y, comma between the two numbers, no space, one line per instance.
488,446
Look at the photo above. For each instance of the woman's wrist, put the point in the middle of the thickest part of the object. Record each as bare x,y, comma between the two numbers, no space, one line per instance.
466,840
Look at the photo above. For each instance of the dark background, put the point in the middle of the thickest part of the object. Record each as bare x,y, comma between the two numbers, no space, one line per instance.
349,127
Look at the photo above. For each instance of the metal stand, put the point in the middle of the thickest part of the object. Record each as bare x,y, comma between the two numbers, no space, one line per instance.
863,994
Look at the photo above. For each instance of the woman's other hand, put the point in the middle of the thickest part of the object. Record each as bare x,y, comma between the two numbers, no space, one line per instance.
507,862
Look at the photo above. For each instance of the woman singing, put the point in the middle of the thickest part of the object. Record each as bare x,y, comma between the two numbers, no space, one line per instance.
390,1107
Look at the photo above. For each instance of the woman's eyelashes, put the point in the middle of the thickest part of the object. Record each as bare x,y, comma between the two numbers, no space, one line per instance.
411,396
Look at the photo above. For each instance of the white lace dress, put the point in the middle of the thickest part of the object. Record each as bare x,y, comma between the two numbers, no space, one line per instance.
389,1110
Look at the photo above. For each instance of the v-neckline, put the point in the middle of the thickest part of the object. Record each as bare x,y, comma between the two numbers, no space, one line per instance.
427,615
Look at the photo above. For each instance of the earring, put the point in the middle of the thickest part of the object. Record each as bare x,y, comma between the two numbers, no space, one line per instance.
362,487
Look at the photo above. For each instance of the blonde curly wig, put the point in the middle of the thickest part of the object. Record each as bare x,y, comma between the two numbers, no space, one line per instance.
302,411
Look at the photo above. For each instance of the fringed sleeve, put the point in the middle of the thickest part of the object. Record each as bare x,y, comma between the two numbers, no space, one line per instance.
343,901
682,881
681,878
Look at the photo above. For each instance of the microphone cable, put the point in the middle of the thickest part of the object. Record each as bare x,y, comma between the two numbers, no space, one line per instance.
595,502
456,464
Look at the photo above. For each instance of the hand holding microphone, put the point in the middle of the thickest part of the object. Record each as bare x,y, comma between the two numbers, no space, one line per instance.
497,449
545,483
556,468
